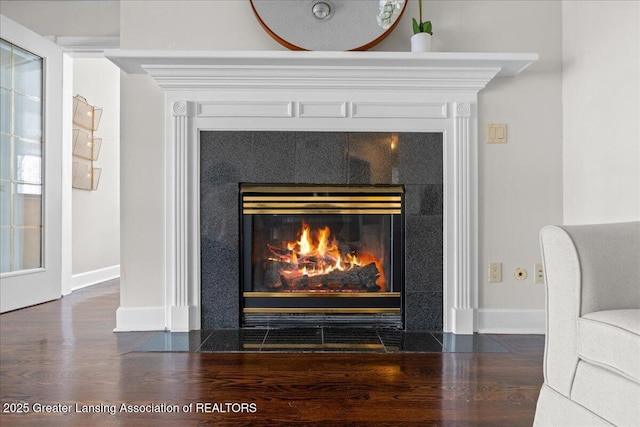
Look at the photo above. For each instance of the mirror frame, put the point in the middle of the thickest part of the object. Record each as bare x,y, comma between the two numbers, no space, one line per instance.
291,44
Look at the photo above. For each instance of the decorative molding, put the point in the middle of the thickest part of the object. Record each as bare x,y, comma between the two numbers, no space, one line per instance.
179,108
315,109
465,217
130,319
463,110
511,321
89,278
406,110
283,109
244,91
86,47
178,255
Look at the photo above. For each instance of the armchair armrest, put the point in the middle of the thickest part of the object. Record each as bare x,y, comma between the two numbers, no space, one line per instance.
588,268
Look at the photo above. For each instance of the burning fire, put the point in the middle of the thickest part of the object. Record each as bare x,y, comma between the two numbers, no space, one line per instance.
325,254
318,253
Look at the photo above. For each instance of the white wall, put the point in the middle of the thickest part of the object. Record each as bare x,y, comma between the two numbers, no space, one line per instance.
601,97
96,214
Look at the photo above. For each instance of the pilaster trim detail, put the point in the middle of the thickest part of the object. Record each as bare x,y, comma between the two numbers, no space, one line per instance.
180,294
463,110
180,109
465,213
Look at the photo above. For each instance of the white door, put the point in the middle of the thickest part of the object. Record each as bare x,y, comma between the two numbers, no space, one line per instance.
30,167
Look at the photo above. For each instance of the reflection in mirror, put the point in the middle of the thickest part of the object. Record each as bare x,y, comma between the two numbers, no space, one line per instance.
335,25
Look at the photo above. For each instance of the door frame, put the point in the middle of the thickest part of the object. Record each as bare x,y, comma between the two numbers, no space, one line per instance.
72,48
28,287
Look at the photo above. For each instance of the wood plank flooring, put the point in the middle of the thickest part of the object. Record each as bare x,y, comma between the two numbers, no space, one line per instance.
65,353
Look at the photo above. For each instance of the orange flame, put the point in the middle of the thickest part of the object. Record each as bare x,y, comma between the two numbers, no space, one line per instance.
317,252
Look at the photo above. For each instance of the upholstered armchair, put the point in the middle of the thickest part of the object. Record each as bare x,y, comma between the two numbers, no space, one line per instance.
592,351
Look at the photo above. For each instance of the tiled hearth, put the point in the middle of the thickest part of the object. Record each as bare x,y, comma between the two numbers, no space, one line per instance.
368,340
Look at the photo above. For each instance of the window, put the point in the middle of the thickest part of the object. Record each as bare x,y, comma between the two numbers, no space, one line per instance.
21,141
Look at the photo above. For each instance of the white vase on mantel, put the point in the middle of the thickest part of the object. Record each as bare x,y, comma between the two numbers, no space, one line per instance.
421,42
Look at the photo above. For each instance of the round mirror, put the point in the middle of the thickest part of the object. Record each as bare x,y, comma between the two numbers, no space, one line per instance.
336,25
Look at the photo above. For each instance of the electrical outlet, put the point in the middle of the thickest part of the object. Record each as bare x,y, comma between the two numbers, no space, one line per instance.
520,274
539,273
495,272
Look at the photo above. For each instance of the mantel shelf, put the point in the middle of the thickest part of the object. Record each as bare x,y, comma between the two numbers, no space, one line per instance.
176,70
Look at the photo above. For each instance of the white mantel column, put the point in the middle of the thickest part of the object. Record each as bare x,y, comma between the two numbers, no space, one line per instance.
466,219
177,211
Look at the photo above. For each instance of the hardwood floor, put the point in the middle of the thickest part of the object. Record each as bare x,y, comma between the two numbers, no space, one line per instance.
64,354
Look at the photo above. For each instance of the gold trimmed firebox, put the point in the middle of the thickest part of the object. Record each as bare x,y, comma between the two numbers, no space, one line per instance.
316,254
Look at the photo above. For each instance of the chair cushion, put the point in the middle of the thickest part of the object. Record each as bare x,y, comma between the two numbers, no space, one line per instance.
611,338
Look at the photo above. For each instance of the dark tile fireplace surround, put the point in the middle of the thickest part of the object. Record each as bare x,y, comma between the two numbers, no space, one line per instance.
228,158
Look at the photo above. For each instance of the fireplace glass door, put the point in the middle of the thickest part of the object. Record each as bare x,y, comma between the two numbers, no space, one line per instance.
322,255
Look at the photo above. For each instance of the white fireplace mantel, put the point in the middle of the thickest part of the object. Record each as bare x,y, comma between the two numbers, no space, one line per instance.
316,91
180,70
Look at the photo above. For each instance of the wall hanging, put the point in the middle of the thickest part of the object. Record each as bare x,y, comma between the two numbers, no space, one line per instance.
335,25
86,146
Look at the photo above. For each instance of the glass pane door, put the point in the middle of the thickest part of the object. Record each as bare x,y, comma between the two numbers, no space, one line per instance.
21,136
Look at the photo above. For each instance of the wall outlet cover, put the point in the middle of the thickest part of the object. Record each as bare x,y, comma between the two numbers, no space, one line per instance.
538,273
495,272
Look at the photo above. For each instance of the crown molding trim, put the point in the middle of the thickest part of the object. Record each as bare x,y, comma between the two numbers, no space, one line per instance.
86,47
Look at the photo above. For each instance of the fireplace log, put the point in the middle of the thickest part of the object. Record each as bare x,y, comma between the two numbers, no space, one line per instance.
344,248
279,252
286,256
362,277
272,274
368,276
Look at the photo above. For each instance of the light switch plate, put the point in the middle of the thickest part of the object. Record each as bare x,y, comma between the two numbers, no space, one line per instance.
496,133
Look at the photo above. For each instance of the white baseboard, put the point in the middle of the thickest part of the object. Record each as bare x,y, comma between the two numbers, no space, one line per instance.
511,321
129,319
82,280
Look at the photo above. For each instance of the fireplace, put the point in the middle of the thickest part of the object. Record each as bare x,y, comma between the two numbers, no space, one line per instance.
315,255
434,92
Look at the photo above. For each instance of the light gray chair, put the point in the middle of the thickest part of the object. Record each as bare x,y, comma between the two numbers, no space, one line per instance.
592,350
